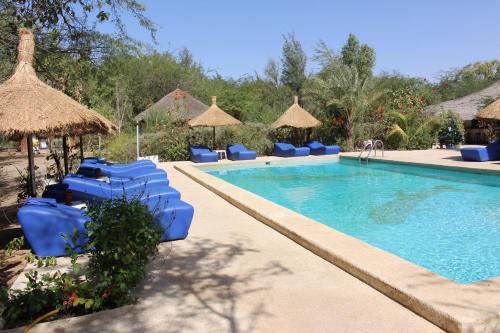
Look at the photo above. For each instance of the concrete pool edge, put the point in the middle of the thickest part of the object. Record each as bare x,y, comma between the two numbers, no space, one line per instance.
467,169
451,306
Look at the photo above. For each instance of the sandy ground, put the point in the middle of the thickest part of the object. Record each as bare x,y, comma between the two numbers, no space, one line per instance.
10,163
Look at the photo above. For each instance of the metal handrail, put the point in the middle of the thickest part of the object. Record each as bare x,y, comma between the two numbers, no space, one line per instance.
375,147
372,145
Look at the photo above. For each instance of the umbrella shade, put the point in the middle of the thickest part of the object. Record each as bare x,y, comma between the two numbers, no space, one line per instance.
492,111
213,117
30,107
296,117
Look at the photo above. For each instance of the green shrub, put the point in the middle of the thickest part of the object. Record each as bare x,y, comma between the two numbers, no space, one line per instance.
121,237
122,148
451,128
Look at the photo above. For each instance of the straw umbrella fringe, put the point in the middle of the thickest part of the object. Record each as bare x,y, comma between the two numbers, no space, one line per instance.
30,107
296,117
213,117
492,111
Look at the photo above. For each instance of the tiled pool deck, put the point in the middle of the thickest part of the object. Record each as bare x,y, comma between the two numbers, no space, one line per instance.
235,274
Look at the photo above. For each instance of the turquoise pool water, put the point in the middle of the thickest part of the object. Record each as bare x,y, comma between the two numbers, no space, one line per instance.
445,221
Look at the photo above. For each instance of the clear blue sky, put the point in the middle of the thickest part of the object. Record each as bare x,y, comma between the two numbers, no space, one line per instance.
414,37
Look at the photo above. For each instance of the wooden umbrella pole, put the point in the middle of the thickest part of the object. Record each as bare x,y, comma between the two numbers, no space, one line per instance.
65,155
31,166
213,142
81,148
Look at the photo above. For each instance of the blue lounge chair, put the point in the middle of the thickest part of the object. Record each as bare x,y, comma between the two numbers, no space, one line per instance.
149,173
45,222
317,148
202,154
289,150
89,189
240,152
102,160
123,170
481,154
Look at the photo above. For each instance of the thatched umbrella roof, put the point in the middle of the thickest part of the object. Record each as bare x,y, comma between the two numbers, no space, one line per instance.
213,117
492,111
30,107
178,104
296,117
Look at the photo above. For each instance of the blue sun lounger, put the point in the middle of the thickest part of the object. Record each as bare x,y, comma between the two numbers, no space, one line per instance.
202,154
317,148
481,154
289,150
239,152
45,223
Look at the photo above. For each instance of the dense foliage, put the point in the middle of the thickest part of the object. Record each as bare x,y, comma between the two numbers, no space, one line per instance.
451,131
120,78
121,237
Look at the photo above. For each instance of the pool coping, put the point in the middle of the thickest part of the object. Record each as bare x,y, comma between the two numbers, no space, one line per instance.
454,307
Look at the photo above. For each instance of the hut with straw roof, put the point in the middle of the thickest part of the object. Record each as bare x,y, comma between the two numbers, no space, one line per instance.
296,117
30,107
176,105
492,111
213,117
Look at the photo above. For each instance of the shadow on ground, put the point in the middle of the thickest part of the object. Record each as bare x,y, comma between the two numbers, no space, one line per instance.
189,288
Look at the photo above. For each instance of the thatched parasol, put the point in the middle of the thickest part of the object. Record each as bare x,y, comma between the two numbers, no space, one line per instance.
492,111
30,107
213,117
296,117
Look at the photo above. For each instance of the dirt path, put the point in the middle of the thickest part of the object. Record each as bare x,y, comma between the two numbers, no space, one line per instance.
11,163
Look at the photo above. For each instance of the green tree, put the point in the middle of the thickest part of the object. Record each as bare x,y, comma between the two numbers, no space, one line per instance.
294,59
341,90
362,57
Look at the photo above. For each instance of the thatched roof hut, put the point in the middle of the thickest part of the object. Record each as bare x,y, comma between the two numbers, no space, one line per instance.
213,117
30,107
492,111
296,117
176,105
467,106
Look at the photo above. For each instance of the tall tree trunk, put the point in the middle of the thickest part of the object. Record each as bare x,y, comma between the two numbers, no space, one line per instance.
349,134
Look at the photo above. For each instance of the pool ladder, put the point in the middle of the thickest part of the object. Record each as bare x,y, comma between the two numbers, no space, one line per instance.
370,146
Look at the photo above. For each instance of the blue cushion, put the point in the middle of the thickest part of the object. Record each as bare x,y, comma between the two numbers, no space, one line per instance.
302,151
202,154
474,154
175,217
44,224
289,150
240,152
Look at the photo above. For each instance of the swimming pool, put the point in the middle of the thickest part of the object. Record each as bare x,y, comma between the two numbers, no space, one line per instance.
446,221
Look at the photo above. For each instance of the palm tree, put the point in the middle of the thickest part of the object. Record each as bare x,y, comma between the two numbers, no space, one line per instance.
408,127
339,86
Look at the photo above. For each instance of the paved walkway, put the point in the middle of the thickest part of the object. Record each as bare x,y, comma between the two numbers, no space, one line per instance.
439,157
234,274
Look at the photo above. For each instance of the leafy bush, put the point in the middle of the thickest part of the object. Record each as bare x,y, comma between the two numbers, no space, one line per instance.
122,148
121,237
451,129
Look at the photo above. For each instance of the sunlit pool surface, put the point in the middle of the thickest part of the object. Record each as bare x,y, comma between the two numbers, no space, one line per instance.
445,221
